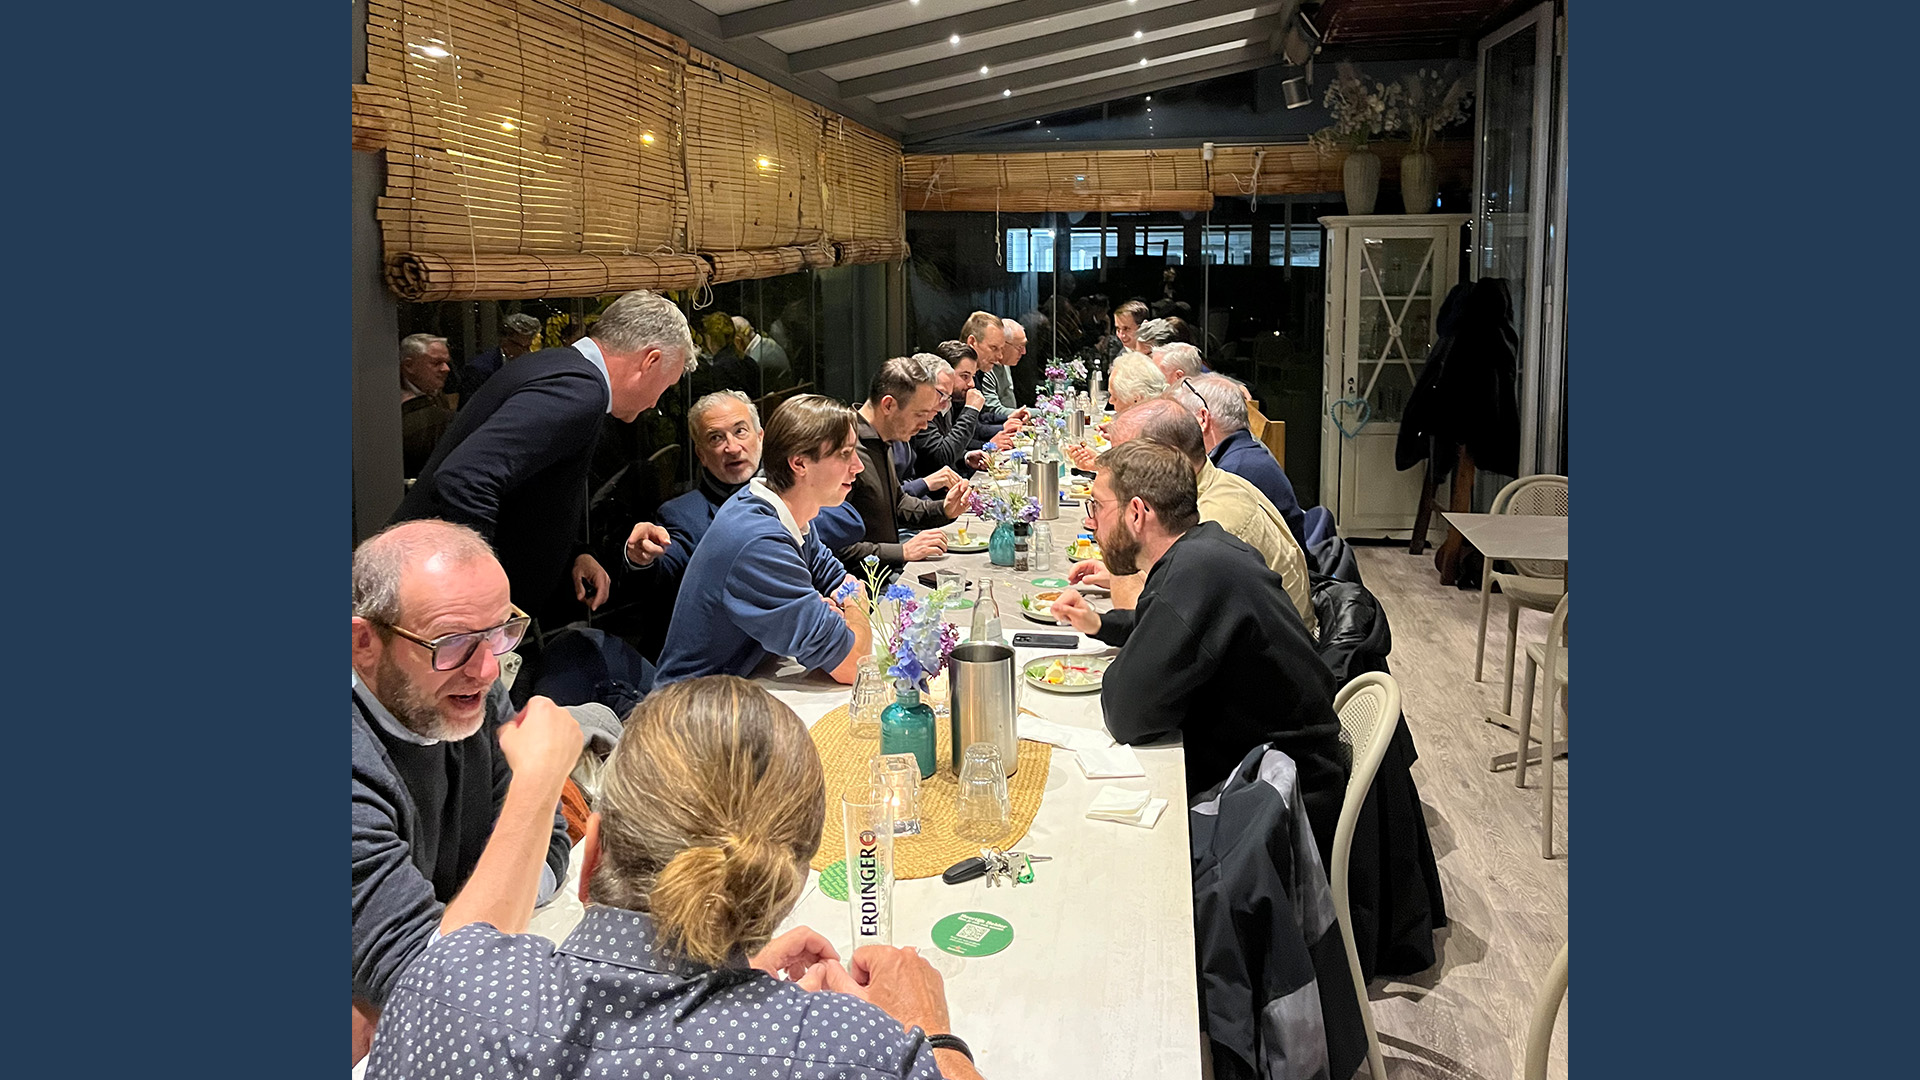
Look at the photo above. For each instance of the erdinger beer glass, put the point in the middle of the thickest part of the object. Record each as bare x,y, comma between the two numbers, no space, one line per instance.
867,814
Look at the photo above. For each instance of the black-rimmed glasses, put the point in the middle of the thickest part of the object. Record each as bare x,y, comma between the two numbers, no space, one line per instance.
452,651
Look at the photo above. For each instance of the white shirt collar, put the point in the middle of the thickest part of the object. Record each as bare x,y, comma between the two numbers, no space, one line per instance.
591,351
758,485
386,719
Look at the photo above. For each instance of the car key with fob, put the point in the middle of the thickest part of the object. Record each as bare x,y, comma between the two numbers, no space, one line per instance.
1046,641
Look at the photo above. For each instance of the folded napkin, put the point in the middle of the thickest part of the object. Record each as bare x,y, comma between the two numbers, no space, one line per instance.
1138,808
1062,735
1110,763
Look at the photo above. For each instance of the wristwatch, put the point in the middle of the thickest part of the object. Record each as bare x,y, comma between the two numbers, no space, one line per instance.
950,1042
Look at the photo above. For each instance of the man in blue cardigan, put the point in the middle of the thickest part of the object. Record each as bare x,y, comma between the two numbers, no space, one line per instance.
1221,407
761,583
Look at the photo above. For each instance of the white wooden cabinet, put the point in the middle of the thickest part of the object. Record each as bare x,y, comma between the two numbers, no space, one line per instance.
1386,277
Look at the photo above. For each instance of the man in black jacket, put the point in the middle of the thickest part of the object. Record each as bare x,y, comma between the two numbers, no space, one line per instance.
901,402
514,464
1213,651
949,442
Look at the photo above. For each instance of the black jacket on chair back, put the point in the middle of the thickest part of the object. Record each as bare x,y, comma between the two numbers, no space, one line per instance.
514,466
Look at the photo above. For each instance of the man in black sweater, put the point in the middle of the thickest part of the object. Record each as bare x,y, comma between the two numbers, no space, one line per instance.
1213,651
453,795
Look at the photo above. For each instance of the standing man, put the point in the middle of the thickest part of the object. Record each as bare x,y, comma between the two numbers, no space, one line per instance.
514,464
518,332
1213,650
1220,404
425,415
454,797
900,403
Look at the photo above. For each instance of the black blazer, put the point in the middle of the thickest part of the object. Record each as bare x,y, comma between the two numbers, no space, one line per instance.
514,466
883,506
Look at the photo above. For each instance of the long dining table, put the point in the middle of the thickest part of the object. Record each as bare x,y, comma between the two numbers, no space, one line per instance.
1099,978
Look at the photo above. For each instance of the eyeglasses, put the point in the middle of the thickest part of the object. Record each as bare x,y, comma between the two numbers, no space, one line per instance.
451,652
1191,389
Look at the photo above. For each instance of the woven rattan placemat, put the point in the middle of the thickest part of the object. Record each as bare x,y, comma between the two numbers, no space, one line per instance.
847,759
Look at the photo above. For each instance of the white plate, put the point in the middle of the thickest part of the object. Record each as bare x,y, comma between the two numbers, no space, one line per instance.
1043,617
1026,672
965,549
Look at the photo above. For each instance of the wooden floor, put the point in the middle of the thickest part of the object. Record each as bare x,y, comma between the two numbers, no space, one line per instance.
1467,1018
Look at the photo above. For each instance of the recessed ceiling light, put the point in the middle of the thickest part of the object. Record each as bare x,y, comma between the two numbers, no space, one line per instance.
983,69
1149,97
1143,61
647,138
764,163
1006,93
1138,34
954,40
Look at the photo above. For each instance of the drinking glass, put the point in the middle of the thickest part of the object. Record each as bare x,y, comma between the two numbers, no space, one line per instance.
956,579
982,804
867,814
870,695
899,776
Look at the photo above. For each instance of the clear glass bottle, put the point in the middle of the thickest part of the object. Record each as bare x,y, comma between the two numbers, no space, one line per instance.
986,616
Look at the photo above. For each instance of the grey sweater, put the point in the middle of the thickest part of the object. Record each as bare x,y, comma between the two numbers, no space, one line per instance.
421,817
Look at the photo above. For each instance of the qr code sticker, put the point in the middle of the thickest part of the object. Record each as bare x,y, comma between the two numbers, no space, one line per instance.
972,932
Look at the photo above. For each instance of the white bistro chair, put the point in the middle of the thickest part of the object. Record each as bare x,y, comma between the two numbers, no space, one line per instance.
1534,583
1369,709
1546,1009
1552,656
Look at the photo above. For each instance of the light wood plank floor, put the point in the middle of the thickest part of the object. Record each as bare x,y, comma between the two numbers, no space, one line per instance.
1467,1018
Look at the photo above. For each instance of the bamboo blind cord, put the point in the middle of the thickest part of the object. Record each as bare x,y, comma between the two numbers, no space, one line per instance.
520,139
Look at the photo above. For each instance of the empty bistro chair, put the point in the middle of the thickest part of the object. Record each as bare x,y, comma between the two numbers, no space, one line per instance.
1369,709
1533,583
1550,654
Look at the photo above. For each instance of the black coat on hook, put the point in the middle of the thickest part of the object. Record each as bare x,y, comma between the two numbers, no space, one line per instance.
1467,392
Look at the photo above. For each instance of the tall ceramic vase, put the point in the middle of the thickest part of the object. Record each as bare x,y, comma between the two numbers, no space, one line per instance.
1416,182
1361,178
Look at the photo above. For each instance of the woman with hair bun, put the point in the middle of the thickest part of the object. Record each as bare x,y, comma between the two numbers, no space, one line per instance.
710,809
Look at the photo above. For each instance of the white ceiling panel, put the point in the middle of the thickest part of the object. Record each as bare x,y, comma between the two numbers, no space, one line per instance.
872,21
1065,57
986,41
1077,77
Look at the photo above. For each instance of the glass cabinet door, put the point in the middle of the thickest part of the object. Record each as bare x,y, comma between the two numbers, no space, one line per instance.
1396,300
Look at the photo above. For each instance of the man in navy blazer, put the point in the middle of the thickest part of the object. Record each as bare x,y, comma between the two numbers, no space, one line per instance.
514,464
1221,407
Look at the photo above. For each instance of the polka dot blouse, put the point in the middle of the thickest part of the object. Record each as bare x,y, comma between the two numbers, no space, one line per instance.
612,1002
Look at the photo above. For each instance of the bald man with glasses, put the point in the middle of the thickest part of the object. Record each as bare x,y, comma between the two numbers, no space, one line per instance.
454,796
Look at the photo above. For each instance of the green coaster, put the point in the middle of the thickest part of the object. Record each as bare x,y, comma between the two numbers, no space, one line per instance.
1051,582
957,603
833,881
972,933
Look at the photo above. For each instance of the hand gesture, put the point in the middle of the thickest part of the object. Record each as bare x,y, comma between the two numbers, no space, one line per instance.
939,481
975,400
1092,572
590,582
542,743
1011,428
1018,414
1071,608
1082,455
646,543
925,545
976,459
796,952
956,503
904,986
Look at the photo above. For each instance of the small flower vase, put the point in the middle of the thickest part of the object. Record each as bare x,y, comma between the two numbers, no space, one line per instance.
1416,183
906,727
1000,545
1360,177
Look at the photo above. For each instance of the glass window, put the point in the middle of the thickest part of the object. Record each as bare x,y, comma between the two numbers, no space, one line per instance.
1017,261
1168,240
1030,250
1230,245
1087,248
1306,247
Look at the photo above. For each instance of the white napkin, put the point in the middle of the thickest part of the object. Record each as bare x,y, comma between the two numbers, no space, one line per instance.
1062,735
1137,808
1110,763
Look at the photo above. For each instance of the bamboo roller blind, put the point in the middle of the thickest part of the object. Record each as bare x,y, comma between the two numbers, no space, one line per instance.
1122,180
566,145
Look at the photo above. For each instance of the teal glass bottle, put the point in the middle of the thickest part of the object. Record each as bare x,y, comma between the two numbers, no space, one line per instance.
906,727
1000,545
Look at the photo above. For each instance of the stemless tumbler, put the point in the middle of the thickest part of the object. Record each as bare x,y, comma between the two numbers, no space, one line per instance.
982,805
899,776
